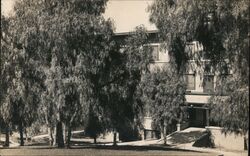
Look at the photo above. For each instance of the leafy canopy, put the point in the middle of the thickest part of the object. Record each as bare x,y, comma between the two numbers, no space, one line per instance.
222,29
164,92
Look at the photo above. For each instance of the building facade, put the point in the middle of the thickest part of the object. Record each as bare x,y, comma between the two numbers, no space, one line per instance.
201,81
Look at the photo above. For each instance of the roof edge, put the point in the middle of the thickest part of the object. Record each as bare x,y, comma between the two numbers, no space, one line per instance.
133,32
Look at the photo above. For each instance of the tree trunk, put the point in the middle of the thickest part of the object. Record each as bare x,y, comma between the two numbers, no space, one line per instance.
7,136
21,134
64,133
51,137
50,131
114,141
54,135
69,136
59,135
165,135
26,135
165,132
245,143
95,140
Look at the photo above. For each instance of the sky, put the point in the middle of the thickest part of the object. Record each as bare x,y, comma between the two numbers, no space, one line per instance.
127,14
7,6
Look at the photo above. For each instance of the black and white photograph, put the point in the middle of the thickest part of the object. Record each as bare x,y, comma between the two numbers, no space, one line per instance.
124,78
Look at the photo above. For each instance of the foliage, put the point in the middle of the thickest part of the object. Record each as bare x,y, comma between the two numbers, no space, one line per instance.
220,26
20,78
66,51
119,98
233,107
164,92
67,41
222,29
94,126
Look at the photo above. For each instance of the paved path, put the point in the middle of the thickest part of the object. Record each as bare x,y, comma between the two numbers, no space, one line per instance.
12,143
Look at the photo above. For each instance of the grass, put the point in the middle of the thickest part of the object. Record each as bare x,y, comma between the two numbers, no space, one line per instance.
40,147
101,151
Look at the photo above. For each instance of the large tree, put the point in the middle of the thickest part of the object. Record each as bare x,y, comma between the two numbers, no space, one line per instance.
124,95
164,93
22,80
220,26
94,126
222,29
70,39
231,99
84,70
3,57
118,99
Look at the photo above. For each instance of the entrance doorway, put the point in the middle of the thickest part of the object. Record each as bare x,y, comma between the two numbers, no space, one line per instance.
197,117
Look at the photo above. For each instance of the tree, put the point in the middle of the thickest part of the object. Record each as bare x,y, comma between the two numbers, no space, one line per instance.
119,95
73,110
3,84
71,39
232,102
222,29
75,47
220,26
164,91
93,126
21,83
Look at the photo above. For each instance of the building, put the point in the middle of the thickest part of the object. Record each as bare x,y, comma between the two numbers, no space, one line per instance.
200,85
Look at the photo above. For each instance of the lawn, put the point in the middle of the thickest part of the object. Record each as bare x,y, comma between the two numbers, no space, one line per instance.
100,151
39,146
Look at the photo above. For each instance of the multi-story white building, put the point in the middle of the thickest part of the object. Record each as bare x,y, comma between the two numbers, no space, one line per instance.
200,83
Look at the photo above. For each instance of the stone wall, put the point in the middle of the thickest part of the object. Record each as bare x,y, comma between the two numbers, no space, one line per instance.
229,141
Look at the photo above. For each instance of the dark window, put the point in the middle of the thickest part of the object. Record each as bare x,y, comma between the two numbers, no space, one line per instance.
208,86
155,51
190,80
208,69
224,79
205,55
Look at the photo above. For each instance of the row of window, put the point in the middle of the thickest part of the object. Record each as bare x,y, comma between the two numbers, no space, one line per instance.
208,82
192,48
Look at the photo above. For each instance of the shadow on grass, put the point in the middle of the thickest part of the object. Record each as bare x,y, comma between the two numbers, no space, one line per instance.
2,142
135,148
101,146
84,143
113,148
44,144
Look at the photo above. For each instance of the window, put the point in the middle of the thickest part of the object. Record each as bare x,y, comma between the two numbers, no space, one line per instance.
155,52
194,50
224,79
208,86
205,55
190,51
190,80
